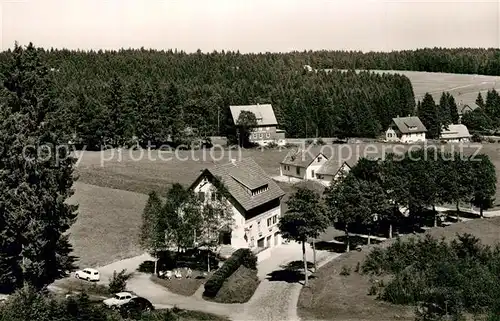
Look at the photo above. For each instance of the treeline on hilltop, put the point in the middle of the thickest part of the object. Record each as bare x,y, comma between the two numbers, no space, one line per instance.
112,96
109,97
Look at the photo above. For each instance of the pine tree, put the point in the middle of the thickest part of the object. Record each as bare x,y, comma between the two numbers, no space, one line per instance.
152,232
454,116
479,100
428,114
444,110
492,106
36,176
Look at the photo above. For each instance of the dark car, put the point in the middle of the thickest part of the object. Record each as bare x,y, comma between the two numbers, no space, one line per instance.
136,306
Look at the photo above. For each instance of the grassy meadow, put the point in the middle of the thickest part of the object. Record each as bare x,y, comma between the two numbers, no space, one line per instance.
464,88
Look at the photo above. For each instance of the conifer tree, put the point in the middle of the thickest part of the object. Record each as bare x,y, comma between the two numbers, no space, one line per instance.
479,100
454,116
36,176
444,110
428,114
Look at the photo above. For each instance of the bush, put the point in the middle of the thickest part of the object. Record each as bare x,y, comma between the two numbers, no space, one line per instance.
118,282
290,145
272,145
147,267
243,257
320,142
239,287
492,140
345,271
309,141
476,138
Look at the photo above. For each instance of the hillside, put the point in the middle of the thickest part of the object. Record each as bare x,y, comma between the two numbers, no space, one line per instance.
464,88
335,297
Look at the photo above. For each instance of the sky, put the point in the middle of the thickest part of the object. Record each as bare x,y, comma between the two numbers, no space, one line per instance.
250,25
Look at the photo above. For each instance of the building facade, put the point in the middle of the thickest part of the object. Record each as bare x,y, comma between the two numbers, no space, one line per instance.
267,126
301,165
254,199
406,130
455,133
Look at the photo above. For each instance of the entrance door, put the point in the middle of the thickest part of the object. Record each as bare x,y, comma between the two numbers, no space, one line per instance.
260,242
269,241
276,238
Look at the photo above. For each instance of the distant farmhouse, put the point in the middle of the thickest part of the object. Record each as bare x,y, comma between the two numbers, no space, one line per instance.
301,165
266,130
406,130
255,200
455,133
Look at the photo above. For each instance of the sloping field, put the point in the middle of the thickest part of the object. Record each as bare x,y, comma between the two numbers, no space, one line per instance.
335,297
107,226
464,88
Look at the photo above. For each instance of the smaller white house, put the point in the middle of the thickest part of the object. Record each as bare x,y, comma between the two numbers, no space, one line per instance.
455,133
332,170
301,165
406,130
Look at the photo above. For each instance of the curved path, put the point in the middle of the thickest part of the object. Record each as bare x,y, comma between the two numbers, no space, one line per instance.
273,299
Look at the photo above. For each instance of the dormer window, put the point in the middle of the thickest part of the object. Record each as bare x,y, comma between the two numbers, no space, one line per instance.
260,190
412,128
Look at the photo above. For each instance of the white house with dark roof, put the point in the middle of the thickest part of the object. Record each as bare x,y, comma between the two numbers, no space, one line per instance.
266,130
406,130
301,164
255,200
333,170
455,133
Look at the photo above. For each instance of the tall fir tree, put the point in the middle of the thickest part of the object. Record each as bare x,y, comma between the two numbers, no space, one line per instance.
428,114
454,115
480,100
36,176
492,106
444,110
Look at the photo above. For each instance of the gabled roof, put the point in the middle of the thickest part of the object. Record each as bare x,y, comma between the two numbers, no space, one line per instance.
240,178
301,158
407,125
331,167
264,113
455,131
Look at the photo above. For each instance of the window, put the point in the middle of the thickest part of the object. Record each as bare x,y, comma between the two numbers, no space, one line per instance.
319,158
268,135
269,222
258,226
275,218
255,135
298,170
213,195
260,135
312,173
201,196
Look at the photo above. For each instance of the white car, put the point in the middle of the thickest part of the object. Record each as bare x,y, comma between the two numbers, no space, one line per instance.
88,274
118,299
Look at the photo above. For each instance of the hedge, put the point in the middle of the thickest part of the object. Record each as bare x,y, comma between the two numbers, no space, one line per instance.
241,257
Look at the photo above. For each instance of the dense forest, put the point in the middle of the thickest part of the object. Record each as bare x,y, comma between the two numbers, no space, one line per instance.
112,96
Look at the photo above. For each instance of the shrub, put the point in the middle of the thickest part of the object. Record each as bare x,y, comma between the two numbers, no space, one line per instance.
309,141
239,287
147,267
492,140
320,142
476,138
272,145
345,271
243,257
290,145
118,282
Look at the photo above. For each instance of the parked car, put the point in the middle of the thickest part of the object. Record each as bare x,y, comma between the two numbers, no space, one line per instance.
134,306
88,274
118,299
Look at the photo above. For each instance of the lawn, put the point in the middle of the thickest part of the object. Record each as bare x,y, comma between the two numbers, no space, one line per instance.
335,297
107,226
464,88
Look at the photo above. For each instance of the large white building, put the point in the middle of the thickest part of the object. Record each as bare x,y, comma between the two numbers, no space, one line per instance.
254,198
406,130
455,133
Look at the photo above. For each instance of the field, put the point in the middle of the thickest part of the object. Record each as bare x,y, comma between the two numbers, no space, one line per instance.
464,88
335,297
